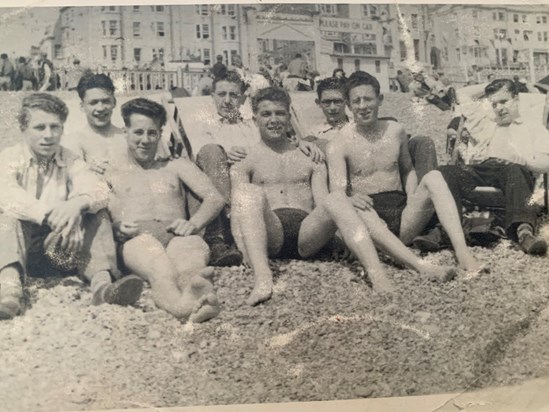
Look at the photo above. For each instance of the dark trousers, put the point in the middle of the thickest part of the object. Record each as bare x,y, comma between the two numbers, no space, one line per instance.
515,181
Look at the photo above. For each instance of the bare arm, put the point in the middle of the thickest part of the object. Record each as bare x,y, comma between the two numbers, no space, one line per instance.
241,172
200,184
319,183
405,165
337,167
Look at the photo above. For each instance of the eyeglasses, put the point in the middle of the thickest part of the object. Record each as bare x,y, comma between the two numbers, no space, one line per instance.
329,102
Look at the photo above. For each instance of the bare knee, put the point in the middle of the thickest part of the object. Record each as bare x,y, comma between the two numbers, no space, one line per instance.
210,152
187,247
433,180
142,245
334,200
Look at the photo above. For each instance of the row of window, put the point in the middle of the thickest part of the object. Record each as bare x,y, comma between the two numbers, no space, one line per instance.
111,28
517,18
368,10
500,34
369,49
224,9
157,53
227,32
136,9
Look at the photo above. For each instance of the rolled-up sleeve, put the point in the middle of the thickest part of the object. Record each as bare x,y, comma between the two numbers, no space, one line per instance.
86,183
15,201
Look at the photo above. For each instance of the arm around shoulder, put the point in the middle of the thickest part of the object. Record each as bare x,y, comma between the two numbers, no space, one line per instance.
337,166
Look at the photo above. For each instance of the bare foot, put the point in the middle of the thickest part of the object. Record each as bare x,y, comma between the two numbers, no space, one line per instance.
198,301
439,273
10,307
206,308
380,282
263,290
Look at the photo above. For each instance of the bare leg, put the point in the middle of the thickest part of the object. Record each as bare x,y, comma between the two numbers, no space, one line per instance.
393,246
189,256
432,194
337,212
146,257
258,234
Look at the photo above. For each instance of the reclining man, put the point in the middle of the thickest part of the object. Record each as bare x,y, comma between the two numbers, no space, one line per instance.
281,205
507,152
157,240
53,210
374,154
331,99
230,141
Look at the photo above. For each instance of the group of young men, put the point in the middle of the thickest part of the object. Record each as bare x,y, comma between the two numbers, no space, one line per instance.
104,201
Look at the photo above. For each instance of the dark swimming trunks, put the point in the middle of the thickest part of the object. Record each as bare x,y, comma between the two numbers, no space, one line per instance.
389,207
291,220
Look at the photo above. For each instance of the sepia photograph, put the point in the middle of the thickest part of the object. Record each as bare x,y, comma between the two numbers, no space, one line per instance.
265,204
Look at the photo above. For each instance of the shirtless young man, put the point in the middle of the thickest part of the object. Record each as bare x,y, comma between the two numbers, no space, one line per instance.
157,240
375,155
281,205
99,142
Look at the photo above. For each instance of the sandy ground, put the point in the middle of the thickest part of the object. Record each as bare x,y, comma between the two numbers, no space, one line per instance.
324,335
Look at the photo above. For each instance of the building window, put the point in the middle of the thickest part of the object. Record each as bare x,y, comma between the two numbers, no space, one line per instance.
494,16
515,18
357,65
340,63
112,8
205,10
113,28
197,9
527,34
198,32
232,32
114,53
136,9
517,31
234,53
369,10
136,29
341,48
161,54
328,9
160,29
501,16
378,66
524,18
159,9
365,49
416,49
206,56
414,21
539,36
544,19
224,32
104,27
223,10
231,10
545,36
500,34
58,52
137,54
403,51
458,54
205,31
104,52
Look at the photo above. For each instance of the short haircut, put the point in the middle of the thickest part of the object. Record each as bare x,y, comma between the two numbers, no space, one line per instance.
231,77
145,107
499,84
272,94
331,83
94,81
336,71
41,101
361,78
4,56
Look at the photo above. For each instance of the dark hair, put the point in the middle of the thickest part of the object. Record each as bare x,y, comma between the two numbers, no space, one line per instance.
4,56
22,60
331,83
42,101
145,107
94,81
273,94
298,55
337,71
499,84
232,77
360,78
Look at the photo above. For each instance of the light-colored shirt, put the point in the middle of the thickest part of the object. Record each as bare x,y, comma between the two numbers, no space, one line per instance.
525,141
30,191
243,133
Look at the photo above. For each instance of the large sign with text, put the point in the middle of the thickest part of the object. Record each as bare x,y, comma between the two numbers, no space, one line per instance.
333,24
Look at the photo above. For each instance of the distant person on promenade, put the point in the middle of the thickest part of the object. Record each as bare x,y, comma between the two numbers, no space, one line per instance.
7,73
219,69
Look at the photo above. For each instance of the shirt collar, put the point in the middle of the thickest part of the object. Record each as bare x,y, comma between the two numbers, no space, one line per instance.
29,158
